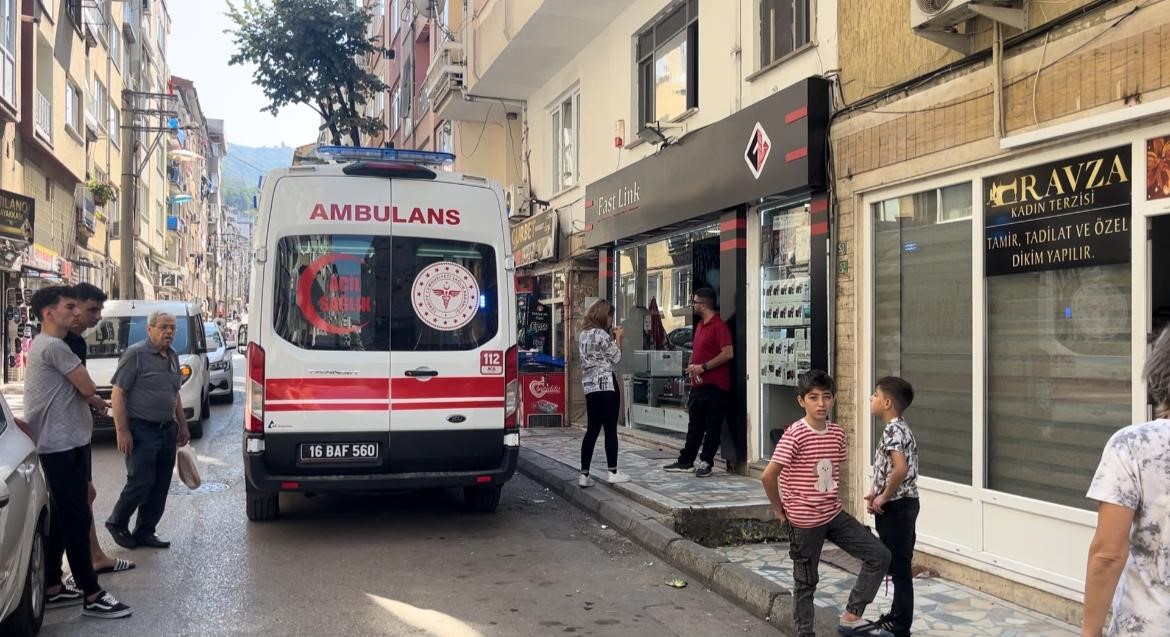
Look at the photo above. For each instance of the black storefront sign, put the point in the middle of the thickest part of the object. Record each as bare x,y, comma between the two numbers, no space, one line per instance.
17,216
1065,214
773,147
535,239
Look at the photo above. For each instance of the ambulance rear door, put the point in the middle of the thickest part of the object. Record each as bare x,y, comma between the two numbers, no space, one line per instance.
450,326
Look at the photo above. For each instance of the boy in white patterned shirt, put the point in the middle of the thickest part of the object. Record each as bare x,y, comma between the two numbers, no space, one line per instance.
893,499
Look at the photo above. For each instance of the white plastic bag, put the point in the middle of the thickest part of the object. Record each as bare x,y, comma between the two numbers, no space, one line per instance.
188,467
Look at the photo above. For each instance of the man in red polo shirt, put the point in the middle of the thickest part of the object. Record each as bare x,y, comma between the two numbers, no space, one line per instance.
710,376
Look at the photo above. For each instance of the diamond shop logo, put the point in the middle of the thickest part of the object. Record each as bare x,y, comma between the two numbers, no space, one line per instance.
758,148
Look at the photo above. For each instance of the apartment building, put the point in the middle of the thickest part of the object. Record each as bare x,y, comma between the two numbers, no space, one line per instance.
150,119
187,199
667,146
60,71
1001,215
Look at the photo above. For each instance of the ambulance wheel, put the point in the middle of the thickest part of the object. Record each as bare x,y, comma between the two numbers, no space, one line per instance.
482,499
262,506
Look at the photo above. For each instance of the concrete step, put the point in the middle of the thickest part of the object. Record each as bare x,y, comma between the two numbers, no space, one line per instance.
724,509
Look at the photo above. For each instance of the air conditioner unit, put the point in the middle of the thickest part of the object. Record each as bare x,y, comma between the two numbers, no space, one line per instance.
517,201
938,20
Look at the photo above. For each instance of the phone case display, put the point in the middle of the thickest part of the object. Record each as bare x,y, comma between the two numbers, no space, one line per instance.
786,303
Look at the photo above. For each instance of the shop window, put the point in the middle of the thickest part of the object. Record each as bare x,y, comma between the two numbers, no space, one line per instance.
785,342
668,65
657,340
566,125
922,319
785,26
1058,378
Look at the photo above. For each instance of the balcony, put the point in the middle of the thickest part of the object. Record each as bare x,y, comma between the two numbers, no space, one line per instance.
444,87
43,124
516,46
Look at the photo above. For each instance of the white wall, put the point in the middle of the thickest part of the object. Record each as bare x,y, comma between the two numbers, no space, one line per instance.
604,70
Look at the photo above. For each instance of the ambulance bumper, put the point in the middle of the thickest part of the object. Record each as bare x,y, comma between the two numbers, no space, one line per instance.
259,478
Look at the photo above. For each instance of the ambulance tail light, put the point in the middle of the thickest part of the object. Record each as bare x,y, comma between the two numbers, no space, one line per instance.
255,394
511,389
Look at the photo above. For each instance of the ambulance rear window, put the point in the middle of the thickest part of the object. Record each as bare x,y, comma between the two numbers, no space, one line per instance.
445,295
373,293
333,292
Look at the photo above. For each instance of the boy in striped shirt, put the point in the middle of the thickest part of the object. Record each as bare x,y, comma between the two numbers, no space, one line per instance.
802,484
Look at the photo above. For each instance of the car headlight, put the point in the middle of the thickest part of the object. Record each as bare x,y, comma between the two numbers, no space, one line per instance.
185,371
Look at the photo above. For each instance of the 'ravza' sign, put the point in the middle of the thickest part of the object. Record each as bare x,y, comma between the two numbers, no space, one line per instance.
1066,214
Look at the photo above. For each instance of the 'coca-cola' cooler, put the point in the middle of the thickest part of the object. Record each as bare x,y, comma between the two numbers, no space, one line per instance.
542,399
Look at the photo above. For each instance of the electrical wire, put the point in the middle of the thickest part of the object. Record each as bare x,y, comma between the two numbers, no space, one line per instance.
482,130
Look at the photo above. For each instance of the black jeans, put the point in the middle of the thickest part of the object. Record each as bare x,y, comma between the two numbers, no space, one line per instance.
148,476
707,408
853,538
68,474
896,529
602,410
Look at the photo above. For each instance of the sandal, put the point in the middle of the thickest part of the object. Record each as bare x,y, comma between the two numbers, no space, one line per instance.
119,566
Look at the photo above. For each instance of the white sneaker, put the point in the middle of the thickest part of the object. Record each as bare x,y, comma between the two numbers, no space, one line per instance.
585,481
615,477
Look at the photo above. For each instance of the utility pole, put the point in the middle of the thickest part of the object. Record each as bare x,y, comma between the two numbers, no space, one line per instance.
142,103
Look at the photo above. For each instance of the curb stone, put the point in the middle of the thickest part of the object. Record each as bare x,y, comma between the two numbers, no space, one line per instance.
751,591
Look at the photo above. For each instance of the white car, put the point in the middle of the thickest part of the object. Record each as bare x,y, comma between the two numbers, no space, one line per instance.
219,363
124,324
24,519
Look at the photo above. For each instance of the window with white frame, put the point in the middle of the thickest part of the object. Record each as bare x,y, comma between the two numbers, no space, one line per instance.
654,289
114,37
680,287
98,101
566,124
667,54
9,19
922,312
115,124
393,19
74,106
395,110
785,26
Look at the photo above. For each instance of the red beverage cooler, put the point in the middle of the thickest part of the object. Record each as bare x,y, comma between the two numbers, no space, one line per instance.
542,399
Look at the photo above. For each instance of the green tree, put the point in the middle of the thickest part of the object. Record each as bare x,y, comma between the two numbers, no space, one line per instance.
308,52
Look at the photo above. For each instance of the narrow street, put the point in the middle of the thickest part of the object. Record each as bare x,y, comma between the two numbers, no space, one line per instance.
412,564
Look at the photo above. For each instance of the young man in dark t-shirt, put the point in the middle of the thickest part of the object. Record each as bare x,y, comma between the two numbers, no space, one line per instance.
710,376
90,300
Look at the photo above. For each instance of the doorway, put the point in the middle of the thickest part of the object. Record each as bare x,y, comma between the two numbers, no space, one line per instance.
1159,278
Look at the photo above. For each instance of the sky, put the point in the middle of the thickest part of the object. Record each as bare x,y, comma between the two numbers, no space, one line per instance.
199,51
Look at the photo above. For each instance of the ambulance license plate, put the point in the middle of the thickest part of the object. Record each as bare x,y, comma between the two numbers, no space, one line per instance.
325,452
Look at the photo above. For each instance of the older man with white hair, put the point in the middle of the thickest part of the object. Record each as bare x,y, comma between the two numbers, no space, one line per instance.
149,422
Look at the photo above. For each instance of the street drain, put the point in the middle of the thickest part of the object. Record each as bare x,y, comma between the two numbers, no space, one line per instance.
178,488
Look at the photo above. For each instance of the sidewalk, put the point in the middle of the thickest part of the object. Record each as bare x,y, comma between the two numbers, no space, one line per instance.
675,514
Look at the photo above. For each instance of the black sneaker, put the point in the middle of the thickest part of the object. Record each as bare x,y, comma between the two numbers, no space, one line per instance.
67,596
703,469
678,467
863,629
106,606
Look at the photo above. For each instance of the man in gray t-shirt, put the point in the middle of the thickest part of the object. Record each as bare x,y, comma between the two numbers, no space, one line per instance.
58,394
149,423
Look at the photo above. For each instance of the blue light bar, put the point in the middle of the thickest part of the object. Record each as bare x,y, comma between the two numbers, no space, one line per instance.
360,153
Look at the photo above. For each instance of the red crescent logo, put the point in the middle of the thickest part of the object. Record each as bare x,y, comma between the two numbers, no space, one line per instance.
305,295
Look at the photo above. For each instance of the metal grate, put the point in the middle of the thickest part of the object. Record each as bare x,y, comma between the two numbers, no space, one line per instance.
546,420
932,6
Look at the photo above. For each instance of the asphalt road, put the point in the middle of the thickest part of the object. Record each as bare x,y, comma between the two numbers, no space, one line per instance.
407,564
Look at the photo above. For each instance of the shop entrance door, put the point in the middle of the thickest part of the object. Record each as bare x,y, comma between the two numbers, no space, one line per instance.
1158,262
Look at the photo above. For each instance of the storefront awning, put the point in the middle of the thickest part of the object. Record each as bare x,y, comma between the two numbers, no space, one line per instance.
776,146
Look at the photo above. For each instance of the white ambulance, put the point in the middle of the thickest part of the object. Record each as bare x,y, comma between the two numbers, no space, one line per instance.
382,331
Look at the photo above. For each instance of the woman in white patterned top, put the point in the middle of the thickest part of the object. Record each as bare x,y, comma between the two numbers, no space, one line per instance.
601,349
1129,558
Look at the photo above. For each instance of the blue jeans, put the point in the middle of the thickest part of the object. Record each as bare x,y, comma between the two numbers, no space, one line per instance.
148,476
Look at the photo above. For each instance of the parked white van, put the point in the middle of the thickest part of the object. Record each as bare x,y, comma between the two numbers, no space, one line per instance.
382,340
124,324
